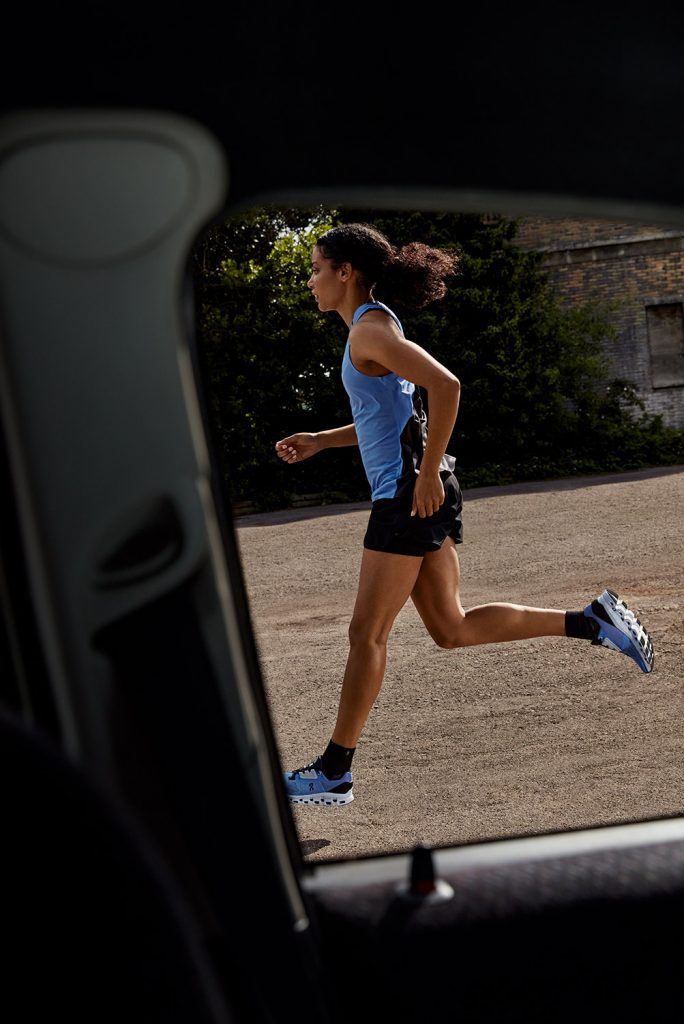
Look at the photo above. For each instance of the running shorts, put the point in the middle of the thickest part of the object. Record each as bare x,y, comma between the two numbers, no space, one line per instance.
393,529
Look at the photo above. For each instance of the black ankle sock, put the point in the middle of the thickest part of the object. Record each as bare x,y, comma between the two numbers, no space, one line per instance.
336,760
580,626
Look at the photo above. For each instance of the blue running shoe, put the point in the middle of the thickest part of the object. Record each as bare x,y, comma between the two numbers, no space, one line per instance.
309,785
619,629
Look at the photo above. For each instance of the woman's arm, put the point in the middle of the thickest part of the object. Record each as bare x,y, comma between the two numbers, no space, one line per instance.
338,437
444,398
298,447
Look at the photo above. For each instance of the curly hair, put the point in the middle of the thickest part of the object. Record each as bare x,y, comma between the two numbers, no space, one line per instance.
413,274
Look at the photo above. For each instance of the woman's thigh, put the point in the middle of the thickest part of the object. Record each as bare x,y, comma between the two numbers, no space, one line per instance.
386,582
436,593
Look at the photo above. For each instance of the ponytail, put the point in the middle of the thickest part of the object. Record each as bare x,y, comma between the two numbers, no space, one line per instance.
412,275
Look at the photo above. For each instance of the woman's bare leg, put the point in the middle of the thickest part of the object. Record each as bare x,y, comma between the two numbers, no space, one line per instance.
385,584
436,595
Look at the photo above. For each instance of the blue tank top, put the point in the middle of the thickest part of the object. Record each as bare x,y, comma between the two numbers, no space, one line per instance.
391,425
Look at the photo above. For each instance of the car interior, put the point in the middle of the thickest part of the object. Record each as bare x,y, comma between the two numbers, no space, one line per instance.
152,865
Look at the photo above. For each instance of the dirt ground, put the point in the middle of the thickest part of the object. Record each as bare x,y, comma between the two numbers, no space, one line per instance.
498,740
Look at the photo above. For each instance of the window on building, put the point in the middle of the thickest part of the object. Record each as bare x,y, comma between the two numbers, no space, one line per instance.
665,324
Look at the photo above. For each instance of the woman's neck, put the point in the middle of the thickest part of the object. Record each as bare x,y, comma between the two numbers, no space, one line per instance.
352,302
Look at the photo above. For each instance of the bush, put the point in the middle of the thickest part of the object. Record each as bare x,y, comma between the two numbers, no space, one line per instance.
537,398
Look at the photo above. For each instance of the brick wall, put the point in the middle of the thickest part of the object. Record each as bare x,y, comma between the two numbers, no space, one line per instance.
630,267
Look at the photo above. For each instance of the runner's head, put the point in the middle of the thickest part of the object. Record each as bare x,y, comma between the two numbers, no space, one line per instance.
413,274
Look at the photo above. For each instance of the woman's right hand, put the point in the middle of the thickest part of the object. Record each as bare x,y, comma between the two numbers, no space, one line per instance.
297,447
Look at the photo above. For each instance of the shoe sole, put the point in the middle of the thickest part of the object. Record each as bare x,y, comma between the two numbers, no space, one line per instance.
323,799
623,619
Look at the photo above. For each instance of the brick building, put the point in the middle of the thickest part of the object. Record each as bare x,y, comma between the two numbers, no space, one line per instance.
641,268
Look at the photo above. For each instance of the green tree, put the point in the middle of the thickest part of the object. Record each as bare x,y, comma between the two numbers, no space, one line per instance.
537,397
270,362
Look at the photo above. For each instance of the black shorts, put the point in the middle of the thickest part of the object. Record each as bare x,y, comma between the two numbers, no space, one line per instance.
393,529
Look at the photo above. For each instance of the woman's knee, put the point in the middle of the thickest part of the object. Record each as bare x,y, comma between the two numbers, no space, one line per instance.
448,634
365,633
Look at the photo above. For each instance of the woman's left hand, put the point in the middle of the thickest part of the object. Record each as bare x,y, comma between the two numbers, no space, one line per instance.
428,495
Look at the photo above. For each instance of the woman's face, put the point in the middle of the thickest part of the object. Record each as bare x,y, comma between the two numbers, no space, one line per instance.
326,282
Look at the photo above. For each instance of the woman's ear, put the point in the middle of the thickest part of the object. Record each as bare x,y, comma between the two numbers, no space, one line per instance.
345,271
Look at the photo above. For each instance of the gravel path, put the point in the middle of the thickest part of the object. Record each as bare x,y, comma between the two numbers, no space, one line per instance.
498,740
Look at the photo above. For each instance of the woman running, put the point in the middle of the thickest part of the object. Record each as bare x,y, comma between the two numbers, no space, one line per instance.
409,549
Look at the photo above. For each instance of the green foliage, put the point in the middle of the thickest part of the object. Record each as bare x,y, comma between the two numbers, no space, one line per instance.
270,362
537,398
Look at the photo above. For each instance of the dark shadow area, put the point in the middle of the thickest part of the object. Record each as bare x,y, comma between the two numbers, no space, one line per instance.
571,483
296,515
309,846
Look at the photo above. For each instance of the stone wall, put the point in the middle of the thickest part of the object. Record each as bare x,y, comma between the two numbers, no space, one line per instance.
637,271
